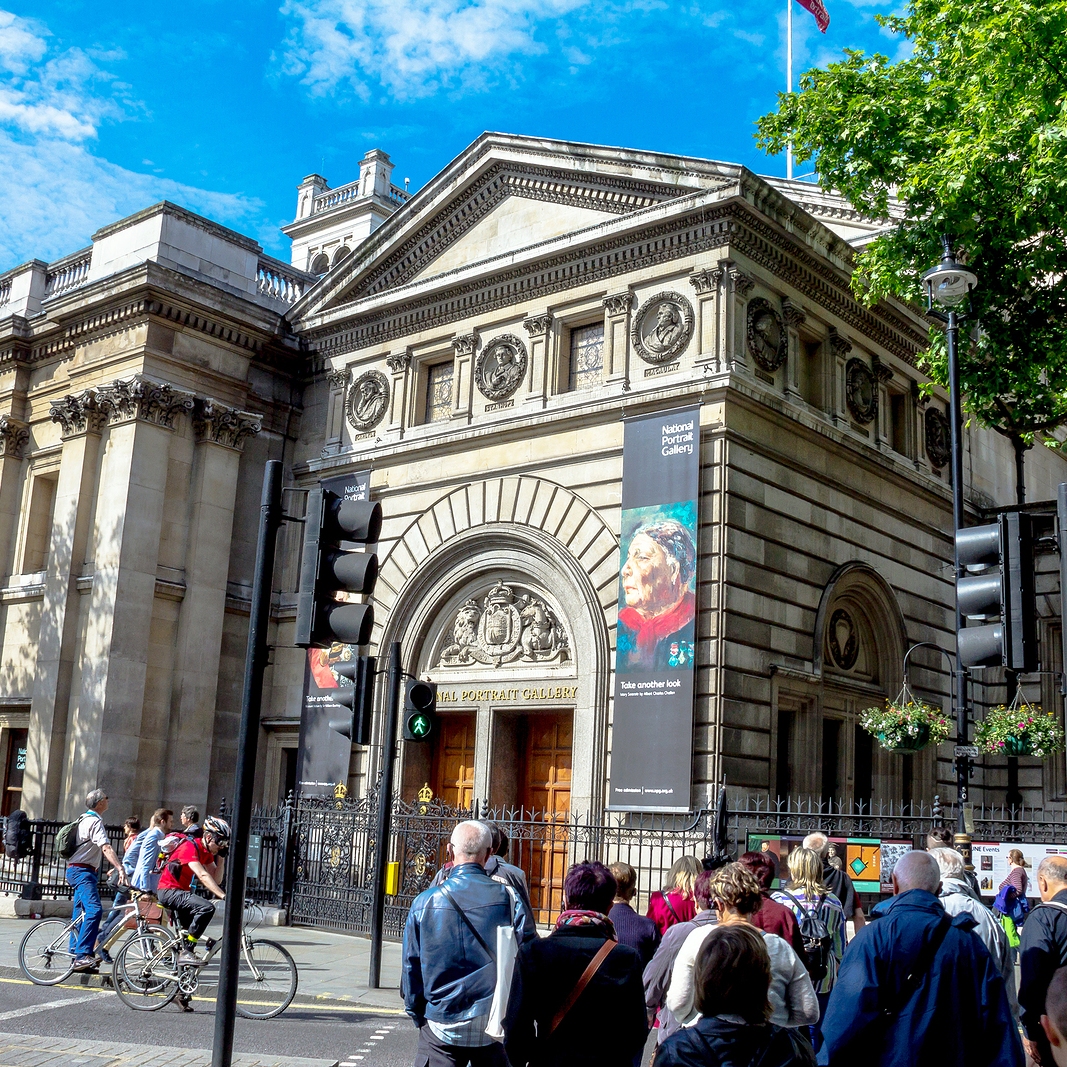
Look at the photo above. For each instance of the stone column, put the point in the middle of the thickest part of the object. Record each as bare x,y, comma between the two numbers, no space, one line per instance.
220,434
706,285
735,286
835,393
81,424
794,319
399,364
13,437
617,339
538,386
463,376
337,392
882,376
108,689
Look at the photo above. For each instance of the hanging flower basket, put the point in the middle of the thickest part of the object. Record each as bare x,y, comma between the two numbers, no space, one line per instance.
906,725
1020,730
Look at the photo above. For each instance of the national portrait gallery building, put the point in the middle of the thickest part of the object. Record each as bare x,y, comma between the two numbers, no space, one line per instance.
664,504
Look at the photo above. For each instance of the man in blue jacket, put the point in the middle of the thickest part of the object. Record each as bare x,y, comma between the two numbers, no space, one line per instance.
449,956
917,988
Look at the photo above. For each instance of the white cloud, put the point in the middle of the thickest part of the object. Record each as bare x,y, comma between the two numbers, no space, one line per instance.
411,47
56,190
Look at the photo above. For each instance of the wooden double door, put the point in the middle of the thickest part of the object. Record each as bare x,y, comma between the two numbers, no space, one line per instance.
532,772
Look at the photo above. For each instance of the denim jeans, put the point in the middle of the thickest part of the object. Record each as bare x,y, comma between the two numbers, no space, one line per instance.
108,926
87,901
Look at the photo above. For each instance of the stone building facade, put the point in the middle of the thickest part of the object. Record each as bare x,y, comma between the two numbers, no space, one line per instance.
476,347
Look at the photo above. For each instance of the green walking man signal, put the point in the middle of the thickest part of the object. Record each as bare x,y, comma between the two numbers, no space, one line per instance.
420,710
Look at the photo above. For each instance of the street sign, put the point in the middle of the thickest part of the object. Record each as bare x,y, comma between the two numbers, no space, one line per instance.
970,751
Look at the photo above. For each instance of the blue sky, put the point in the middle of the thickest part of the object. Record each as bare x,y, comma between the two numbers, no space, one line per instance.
224,106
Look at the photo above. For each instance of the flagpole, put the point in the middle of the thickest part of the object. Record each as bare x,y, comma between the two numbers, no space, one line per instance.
789,77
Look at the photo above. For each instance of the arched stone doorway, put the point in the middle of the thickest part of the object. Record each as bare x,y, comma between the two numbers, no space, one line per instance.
822,753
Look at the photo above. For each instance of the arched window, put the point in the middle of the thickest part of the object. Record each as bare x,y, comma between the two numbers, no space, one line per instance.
341,253
320,264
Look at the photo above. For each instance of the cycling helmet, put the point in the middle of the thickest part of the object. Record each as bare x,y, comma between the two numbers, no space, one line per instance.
218,828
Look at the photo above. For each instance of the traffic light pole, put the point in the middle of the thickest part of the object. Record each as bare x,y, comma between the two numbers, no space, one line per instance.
963,761
385,811
270,519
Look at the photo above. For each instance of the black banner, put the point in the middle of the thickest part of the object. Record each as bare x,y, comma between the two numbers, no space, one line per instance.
325,754
652,735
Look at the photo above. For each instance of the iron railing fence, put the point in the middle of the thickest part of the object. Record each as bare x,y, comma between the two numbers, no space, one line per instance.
44,868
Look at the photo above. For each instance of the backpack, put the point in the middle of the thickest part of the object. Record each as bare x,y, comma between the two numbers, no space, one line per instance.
818,942
66,843
166,848
18,836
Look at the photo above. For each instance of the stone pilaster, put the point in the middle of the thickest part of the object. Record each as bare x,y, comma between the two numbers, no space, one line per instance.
840,347
538,386
465,347
794,319
13,438
617,339
81,424
399,364
735,286
706,284
336,391
220,434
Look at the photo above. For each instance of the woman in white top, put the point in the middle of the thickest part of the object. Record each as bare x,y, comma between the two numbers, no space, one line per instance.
736,896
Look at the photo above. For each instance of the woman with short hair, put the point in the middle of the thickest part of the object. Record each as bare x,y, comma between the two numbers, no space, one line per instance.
736,896
674,902
578,997
732,977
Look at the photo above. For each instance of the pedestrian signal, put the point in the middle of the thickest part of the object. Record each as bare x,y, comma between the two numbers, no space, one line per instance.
357,698
420,710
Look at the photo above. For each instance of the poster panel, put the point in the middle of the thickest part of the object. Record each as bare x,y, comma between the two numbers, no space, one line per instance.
324,754
990,859
652,735
868,861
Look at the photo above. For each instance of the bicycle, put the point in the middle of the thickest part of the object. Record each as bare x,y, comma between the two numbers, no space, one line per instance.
44,953
147,976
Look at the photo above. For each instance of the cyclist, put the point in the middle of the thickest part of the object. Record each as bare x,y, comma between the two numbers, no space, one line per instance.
203,857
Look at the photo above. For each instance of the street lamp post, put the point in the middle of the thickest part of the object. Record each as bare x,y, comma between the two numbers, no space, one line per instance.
947,285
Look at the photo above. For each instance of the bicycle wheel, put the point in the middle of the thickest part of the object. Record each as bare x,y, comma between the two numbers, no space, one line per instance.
266,980
145,972
44,955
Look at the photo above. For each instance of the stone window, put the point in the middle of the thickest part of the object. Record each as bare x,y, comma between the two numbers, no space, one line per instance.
897,418
810,372
586,366
38,531
340,254
320,264
439,377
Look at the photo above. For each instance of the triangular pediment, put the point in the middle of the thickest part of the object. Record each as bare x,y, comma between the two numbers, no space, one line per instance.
502,196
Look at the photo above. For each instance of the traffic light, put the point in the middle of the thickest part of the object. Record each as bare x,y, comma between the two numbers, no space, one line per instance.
328,567
420,710
358,698
998,559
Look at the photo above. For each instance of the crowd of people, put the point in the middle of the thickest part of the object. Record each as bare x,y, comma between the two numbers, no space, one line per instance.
157,863
731,972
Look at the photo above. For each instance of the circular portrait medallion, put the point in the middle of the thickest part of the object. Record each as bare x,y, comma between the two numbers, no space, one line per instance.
767,340
938,444
368,400
861,391
662,327
500,367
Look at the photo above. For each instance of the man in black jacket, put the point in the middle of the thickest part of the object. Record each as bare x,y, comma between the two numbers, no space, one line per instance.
1042,951
599,1022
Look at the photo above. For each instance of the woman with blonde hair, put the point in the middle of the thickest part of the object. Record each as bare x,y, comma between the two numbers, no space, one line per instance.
675,902
736,896
822,924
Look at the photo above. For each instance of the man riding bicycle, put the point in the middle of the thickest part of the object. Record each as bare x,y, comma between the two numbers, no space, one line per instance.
203,857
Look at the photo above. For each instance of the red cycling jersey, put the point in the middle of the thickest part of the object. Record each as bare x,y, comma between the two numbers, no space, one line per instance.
193,850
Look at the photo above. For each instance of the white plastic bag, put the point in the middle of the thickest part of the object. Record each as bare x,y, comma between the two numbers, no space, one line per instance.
507,952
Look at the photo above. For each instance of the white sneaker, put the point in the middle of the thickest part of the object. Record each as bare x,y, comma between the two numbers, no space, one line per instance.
187,957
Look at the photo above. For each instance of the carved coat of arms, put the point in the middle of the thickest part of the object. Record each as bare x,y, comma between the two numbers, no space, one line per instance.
504,628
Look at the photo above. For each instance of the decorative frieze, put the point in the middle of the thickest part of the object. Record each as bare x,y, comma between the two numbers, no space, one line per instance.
223,425
13,437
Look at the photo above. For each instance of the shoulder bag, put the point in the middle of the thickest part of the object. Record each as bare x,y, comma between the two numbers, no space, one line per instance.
587,976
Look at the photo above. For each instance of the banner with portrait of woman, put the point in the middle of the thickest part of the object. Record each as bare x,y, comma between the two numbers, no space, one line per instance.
652,734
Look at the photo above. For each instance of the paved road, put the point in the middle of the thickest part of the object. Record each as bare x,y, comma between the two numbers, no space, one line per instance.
354,1036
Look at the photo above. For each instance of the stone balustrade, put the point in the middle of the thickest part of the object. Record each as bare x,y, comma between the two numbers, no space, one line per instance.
5,292
279,281
68,273
343,194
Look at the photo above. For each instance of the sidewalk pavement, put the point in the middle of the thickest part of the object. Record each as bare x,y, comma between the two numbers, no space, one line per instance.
330,965
29,1050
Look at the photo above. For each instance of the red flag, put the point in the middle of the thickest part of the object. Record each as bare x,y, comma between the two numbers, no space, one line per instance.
818,9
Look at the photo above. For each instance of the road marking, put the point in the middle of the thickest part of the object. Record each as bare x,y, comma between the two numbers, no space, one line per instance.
34,1008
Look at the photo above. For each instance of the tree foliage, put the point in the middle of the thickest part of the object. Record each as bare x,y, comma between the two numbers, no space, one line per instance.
967,136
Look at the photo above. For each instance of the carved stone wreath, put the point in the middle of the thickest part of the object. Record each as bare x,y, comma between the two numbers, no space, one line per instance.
861,391
367,401
767,340
500,367
843,640
938,437
662,327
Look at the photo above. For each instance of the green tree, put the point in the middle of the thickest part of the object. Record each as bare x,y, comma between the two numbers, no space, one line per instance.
966,136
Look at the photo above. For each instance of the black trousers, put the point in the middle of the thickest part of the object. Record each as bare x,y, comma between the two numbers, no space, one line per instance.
433,1052
193,912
